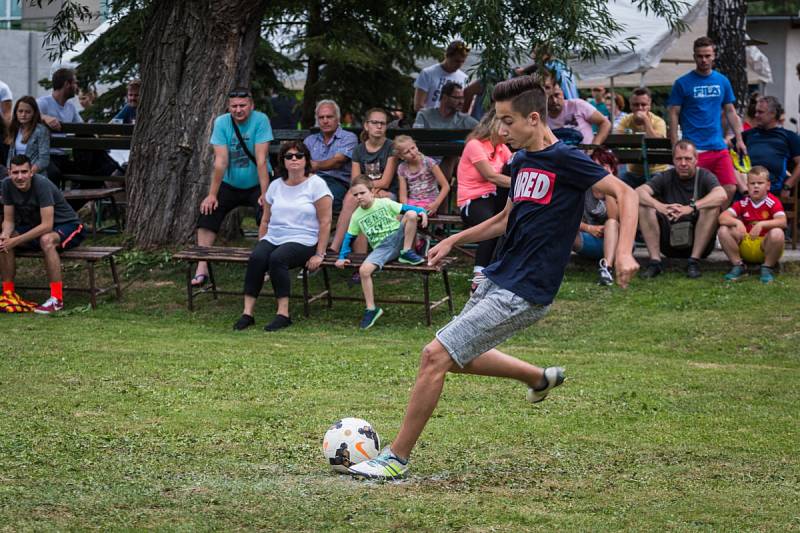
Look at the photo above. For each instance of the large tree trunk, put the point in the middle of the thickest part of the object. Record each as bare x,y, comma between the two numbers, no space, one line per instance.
726,27
194,52
314,32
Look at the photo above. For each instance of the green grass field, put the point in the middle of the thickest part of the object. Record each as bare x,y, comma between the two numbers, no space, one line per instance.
680,413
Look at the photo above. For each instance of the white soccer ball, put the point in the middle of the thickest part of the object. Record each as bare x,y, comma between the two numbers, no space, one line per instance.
349,441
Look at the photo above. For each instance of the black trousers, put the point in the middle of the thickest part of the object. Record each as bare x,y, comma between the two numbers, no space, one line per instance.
477,211
278,260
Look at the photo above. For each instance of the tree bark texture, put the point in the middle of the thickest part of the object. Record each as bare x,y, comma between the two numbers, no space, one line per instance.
194,52
726,27
314,31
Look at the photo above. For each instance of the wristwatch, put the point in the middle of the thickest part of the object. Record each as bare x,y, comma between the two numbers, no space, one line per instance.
693,206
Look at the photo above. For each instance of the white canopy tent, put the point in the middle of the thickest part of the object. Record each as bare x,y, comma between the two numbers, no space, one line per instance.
659,56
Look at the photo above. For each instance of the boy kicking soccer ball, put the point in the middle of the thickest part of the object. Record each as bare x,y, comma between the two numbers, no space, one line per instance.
752,228
540,221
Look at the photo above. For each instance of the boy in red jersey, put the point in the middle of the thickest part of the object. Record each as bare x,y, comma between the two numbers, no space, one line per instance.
751,229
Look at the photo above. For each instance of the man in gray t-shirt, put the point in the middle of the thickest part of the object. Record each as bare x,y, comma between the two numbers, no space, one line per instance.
35,216
448,115
670,198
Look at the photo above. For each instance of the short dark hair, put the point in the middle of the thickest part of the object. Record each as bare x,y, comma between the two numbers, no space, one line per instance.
361,179
684,144
449,87
702,42
773,104
457,47
285,147
525,94
641,91
61,77
20,159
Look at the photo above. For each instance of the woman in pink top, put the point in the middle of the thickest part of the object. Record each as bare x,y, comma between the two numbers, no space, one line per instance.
482,186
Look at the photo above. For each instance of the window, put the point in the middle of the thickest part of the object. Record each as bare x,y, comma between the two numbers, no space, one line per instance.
10,10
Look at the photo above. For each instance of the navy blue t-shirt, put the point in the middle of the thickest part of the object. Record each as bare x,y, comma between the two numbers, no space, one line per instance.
547,190
772,148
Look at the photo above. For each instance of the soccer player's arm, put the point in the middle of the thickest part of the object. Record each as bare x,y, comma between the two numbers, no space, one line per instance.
488,229
46,215
628,204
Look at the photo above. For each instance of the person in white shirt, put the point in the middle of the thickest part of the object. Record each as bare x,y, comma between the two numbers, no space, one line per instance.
429,83
294,232
5,102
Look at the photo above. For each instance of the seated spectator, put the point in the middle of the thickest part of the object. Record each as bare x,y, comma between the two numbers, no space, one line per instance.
285,112
751,229
294,231
35,216
598,100
431,80
482,186
422,183
575,114
749,120
57,108
128,112
772,146
331,150
400,120
86,98
6,99
28,136
599,230
642,120
448,114
374,158
617,107
389,238
684,194
240,176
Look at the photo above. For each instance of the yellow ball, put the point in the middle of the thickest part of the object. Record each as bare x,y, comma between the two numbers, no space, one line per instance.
750,249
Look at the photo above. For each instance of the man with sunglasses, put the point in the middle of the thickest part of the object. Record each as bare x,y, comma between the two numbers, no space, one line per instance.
240,177
448,114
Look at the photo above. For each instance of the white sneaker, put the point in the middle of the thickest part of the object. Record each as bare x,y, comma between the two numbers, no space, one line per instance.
554,376
52,305
385,466
606,278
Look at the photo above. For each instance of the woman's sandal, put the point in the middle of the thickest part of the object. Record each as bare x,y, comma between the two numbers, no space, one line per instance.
200,280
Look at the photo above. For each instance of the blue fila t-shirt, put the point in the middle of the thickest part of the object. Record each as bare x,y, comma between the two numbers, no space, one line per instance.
701,99
547,192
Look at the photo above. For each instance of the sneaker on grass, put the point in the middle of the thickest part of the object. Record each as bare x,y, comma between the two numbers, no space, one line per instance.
604,271
767,274
51,305
370,317
654,268
736,273
11,302
385,466
410,257
553,377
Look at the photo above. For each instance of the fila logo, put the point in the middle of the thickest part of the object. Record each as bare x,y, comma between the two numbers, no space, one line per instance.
707,91
534,185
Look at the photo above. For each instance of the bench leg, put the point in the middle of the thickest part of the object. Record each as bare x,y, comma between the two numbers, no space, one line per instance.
117,216
427,295
448,292
305,293
115,276
327,282
92,285
212,280
189,288
93,204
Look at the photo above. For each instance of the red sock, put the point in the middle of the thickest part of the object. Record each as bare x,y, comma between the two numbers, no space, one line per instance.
56,289
8,286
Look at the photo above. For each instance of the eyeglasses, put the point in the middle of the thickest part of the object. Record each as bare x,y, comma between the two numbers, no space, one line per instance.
293,155
239,94
376,122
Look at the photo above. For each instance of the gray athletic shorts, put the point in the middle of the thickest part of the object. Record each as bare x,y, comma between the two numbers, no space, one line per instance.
388,250
491,316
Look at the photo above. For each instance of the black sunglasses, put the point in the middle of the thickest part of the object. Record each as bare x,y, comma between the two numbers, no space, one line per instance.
294,155
239,94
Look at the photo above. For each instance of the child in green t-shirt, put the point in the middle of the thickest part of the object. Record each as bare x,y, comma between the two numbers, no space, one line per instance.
389,238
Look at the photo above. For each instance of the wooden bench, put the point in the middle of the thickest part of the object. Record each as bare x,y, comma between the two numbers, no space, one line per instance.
91,255
94,197
94,136
632,148
219,254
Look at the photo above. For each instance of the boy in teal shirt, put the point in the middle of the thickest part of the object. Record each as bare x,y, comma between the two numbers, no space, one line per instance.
388,237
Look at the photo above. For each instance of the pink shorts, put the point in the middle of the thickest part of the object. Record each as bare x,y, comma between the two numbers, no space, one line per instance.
719,163
420,203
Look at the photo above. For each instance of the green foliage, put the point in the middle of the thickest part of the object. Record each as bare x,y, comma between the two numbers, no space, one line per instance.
773,7
680,413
